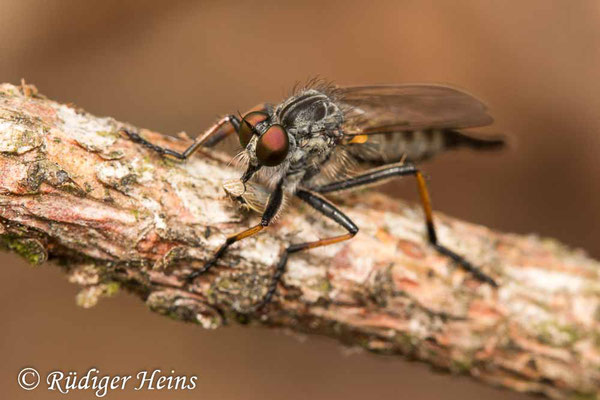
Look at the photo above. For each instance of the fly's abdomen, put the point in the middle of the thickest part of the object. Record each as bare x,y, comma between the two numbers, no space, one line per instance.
417,145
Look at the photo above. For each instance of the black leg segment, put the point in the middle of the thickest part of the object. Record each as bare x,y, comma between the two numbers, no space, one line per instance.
380,174
274,204
327,209
209,138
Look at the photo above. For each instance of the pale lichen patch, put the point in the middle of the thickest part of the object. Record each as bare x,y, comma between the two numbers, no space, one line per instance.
155,208
9,89
94,134
116,174
16,137
547,280
584,309
126,177
190,184
418,328
218,212
143,170
405,228
89,296
264,249
555,334
203,204
85,275
522,307
202,167
208,321
301,273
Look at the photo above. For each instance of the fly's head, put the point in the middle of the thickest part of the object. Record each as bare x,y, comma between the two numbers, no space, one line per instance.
266,142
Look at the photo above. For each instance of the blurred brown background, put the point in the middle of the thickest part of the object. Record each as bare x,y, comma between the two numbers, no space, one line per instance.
175,66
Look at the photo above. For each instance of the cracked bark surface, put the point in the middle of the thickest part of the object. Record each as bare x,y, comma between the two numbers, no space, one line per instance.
115,215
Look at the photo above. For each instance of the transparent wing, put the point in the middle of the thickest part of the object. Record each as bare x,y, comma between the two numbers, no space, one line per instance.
389,123
397,108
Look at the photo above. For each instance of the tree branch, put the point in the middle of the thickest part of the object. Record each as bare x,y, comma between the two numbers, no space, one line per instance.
114,214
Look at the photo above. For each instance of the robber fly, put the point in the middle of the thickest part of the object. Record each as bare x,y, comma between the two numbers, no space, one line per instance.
292,146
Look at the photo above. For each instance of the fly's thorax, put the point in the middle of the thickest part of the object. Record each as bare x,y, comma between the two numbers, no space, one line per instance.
313,149
312,122
308,112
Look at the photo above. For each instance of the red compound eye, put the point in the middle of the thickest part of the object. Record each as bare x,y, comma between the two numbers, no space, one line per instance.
247,125
273,146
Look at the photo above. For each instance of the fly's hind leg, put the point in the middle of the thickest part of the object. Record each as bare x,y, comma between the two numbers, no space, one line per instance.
381,174
209,138
327,209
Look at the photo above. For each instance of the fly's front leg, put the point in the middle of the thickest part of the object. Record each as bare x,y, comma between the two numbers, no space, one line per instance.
209,138
327,209
273,205
381,174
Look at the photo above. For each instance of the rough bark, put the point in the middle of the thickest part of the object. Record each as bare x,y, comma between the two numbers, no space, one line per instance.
114,214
